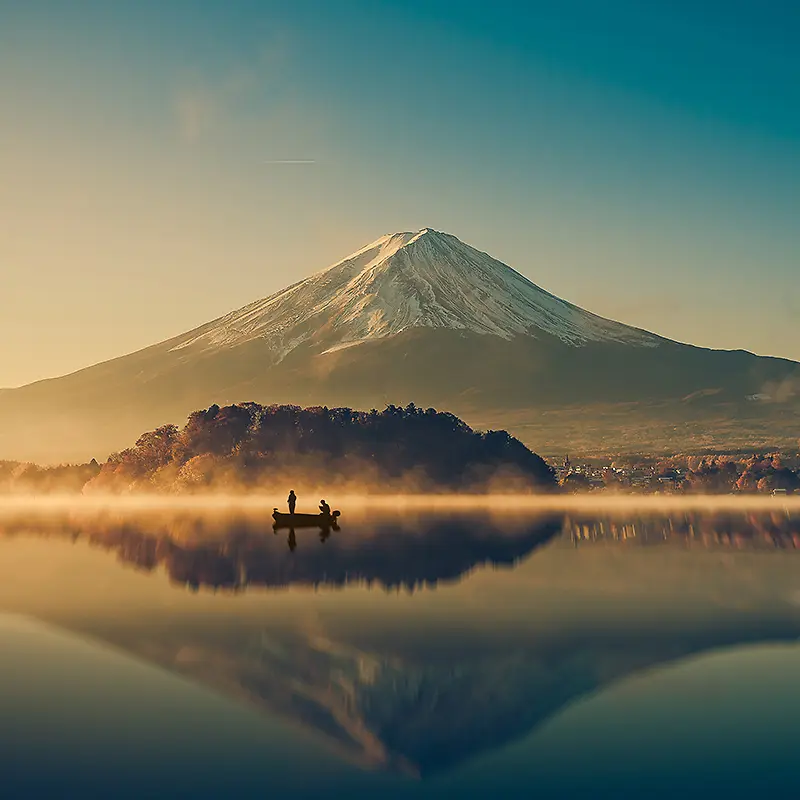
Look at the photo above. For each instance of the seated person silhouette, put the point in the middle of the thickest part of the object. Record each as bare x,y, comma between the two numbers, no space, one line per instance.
292,501
324,508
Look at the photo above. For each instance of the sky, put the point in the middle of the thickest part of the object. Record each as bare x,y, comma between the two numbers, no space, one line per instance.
639,159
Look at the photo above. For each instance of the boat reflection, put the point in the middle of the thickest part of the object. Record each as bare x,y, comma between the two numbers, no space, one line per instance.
236,552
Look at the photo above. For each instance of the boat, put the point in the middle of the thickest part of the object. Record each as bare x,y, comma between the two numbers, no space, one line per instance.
305,520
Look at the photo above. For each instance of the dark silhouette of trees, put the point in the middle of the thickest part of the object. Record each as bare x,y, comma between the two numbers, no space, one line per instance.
712,478
576,482
722,474
233,553
246,444
779,479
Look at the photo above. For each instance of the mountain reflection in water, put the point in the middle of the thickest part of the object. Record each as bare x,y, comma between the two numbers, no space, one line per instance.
423,683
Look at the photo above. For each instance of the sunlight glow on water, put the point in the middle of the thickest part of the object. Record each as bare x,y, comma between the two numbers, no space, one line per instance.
595,503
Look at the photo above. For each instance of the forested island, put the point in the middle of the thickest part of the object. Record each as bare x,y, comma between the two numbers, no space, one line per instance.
250,447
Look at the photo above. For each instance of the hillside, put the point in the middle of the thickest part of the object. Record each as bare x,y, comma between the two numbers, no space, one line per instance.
424,318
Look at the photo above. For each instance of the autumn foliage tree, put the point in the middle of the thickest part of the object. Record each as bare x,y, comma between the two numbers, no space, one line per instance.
247,444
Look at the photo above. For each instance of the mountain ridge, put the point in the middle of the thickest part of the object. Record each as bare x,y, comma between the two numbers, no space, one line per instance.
416,317
403,280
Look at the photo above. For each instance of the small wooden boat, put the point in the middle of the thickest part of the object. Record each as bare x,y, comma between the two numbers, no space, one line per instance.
305,520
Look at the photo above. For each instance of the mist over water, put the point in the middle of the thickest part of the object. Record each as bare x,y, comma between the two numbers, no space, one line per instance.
599,503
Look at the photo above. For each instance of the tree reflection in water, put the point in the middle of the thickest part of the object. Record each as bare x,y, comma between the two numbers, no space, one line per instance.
235,552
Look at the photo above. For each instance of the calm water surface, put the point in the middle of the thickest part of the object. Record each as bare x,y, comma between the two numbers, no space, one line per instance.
418,655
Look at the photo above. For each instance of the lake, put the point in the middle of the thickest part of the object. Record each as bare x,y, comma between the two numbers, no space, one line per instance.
422,653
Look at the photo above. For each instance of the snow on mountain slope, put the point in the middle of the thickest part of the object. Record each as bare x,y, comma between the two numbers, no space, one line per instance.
406,280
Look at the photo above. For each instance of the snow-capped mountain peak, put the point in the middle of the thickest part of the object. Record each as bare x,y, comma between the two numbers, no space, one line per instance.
406,280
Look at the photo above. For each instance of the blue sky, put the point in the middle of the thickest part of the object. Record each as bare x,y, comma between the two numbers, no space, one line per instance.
641,159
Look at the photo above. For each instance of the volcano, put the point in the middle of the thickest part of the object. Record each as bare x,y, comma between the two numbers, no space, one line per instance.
405,281
418,317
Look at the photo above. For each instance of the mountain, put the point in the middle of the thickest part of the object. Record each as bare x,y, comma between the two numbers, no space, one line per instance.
404,281
419,317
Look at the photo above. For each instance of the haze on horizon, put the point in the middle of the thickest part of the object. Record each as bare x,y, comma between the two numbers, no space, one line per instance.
639,160
261,501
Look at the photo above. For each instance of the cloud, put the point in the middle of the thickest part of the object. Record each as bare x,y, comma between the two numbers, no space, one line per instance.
202,104
782,391
196,111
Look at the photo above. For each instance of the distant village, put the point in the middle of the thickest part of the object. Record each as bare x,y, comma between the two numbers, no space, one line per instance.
773,473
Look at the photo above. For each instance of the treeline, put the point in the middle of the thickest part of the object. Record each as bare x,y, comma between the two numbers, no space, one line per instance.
17,477
722,474
248,446
692,474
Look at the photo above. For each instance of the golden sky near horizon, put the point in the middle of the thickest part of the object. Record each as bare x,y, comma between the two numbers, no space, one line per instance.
142,192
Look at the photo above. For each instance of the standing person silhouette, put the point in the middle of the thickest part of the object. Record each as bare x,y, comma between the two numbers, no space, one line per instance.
292,501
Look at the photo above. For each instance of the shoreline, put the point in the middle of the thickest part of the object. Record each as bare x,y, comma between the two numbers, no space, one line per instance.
494,503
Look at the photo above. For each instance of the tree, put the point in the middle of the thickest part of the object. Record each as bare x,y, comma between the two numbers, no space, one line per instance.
156,447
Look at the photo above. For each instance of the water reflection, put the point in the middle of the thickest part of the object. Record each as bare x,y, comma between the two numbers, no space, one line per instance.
426,682
778,530
236,552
